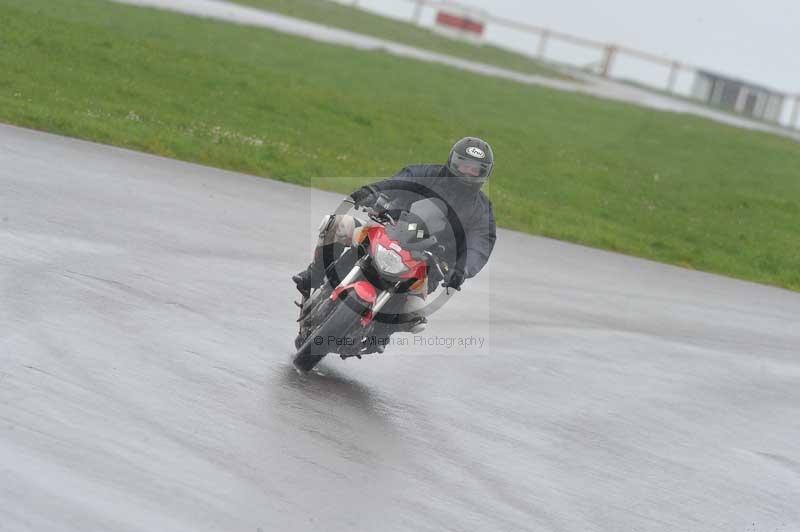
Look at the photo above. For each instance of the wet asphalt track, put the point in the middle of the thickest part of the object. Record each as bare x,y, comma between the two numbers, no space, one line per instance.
145,328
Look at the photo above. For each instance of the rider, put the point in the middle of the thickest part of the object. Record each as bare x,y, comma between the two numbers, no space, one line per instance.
458,184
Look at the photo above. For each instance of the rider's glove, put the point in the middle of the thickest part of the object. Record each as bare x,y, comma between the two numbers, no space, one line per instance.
455,279
380,207
364,196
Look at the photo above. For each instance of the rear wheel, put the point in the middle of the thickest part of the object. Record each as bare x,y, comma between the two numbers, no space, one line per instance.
340,321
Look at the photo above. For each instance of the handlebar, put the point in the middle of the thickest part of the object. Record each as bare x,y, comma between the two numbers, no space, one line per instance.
381,217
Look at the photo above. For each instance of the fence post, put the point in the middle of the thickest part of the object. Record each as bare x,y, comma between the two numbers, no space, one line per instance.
673,76
417,17
795,112
542,48
608,60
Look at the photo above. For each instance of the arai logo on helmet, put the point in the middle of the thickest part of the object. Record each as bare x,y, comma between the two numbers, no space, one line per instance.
476,152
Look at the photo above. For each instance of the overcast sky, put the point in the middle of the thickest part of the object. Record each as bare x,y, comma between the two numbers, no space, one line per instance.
755,40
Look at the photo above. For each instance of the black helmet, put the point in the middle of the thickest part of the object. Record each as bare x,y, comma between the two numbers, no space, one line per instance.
471,160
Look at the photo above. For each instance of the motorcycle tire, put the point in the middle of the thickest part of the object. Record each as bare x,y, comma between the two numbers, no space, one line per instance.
340,321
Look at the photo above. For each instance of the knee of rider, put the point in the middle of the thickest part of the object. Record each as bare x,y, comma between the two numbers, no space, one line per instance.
414,304
336,229
345,226
419,290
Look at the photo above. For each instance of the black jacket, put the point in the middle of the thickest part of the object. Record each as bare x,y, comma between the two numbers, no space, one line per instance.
474,241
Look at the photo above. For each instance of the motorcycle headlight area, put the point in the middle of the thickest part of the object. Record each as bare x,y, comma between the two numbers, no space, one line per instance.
389,261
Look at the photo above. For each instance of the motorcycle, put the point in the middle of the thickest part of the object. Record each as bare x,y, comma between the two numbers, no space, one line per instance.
392,255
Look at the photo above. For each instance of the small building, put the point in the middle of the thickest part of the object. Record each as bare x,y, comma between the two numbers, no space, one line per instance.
739,96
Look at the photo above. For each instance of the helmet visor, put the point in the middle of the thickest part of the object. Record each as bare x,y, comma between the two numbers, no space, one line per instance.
470,169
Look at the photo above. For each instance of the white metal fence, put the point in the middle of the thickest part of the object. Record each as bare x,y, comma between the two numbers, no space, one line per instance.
603,59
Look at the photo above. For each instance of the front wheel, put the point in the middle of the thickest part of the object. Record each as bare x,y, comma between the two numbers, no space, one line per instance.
340,321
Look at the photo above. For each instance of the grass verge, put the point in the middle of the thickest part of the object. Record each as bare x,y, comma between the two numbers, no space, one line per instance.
345,17
664,186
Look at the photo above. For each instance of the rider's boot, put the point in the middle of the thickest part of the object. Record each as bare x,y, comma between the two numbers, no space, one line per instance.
306,280
414,326
310,278
418,326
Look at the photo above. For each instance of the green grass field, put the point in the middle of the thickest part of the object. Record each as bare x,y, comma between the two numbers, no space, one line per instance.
344,17
668,187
